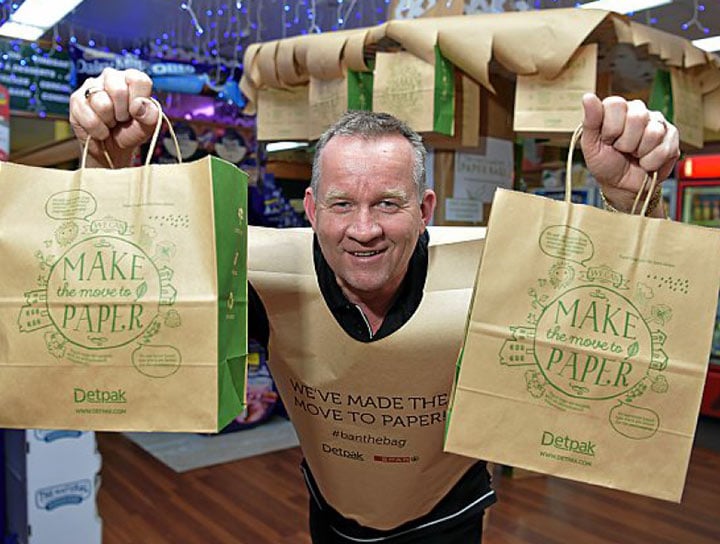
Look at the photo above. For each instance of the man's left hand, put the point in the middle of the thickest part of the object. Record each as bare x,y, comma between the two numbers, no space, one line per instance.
622,141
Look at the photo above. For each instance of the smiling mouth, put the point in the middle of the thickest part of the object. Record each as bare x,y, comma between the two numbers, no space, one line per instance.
364,253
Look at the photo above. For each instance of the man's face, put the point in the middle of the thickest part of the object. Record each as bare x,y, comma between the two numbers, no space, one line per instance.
367,215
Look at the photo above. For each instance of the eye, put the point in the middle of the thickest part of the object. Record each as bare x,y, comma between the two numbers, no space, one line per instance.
388,205
340,206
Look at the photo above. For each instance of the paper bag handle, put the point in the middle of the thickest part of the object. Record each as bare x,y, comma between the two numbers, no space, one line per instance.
568,178
153,141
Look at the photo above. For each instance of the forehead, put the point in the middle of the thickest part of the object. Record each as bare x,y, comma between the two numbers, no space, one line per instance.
372,143
386,160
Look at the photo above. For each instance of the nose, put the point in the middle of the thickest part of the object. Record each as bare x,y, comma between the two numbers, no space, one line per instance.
364,226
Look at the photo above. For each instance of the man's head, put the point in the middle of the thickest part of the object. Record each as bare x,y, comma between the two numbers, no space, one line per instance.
368,203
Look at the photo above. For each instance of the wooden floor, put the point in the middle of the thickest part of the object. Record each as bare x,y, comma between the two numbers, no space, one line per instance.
262,500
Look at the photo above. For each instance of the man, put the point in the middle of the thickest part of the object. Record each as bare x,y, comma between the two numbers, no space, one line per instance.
369,396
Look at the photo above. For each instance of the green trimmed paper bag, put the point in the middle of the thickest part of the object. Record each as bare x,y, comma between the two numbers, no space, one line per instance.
587,344
329,99
123,297
415,91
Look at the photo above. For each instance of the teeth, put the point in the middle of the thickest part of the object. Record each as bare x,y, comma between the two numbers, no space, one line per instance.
365,253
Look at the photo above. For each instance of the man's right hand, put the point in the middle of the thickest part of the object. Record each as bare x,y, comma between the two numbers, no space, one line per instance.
113,108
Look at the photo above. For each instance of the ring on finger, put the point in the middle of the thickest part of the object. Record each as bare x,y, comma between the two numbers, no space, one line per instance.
91,91
660,118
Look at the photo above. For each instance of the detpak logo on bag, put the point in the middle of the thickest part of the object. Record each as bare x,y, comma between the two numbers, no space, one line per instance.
592,339
103,287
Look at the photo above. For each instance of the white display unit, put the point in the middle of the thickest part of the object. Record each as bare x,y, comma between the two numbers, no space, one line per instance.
51,481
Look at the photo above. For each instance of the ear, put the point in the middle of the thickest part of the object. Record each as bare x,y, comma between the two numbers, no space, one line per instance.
309,204
427,207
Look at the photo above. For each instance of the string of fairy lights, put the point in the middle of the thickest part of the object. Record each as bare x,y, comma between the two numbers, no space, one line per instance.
218,31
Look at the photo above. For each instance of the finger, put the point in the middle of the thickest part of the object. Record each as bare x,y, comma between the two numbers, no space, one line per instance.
139,85
662,158
84,119
114,84
614,109
144,118
634,117
593,114
653,135
102,105
145,112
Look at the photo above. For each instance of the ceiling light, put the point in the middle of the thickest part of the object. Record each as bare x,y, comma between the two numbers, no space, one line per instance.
708,44
34,17
624,6
284,146
12,29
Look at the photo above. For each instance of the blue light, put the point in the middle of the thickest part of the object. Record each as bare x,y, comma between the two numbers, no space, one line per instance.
91,43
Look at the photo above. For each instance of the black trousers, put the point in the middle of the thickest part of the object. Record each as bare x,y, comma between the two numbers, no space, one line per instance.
467,531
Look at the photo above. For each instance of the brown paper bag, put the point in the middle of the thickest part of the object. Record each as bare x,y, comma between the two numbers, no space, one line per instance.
415,91
587,344
283,114
554,105
123,297
687,101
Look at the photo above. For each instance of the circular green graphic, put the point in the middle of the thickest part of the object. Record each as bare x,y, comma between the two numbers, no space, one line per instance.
592,343
103,292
